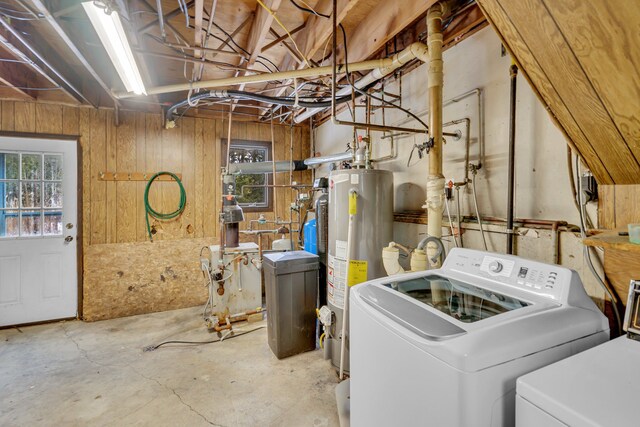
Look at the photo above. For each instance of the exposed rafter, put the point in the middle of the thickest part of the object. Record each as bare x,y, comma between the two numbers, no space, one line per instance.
261,25
35,59
315,34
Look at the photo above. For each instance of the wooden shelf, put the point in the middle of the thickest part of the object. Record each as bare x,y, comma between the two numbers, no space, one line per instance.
611,240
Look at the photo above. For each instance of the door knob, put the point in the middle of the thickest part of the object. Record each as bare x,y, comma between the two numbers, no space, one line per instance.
69,226
68,239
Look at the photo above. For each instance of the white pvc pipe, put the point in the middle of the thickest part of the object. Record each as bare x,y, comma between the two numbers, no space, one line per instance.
390,260
265,77
345,312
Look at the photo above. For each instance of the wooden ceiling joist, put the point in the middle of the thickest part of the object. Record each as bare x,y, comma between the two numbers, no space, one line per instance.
264,17
317,31
36,61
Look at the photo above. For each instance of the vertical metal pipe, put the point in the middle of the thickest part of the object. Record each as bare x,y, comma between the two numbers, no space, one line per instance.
513,75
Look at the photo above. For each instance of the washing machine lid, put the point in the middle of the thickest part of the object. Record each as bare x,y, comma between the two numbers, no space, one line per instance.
453,299
471,325
598,387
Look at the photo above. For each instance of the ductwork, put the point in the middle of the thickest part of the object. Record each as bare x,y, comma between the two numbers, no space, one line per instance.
285,165
330,158
265,167
415,50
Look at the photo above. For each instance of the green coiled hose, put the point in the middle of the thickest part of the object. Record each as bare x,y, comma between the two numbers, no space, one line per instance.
159,215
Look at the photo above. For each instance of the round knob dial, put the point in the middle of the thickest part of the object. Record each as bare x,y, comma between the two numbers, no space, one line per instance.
495,266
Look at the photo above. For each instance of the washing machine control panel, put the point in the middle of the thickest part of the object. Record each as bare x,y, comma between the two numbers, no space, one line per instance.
543,279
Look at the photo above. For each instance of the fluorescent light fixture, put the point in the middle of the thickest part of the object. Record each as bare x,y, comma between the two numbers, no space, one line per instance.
113,38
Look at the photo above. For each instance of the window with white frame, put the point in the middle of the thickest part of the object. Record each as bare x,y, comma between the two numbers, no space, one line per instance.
30,194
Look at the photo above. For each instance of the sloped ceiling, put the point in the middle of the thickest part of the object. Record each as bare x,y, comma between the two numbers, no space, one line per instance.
583,60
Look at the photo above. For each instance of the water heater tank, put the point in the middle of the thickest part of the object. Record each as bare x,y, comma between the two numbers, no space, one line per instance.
373,230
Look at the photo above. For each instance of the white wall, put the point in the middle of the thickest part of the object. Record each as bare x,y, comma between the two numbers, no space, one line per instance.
542,182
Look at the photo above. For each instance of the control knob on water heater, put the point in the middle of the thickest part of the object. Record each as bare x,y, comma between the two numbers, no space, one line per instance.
495,266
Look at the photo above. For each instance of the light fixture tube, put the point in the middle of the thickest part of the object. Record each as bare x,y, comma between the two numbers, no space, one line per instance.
113,38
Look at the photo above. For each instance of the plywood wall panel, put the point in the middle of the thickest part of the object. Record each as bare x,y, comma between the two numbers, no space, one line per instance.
126,212
98,159
189,161
25,117
134,278
210,176
199,194
111,206
8,121
48,119
557,53
84,130
141,165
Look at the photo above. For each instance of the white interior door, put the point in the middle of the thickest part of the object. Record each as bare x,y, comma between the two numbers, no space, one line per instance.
38,230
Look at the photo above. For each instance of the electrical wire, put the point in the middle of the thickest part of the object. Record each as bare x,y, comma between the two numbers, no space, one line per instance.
587,253
346,61
236,94
234,335
295,45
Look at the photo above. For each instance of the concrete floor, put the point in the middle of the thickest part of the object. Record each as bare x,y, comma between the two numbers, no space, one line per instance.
76,373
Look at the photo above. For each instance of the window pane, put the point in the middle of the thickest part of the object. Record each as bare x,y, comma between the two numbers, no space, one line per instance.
9,224
254,196
52,194
31,194
53,167
9,165
10,194
31,223
31,166
52,223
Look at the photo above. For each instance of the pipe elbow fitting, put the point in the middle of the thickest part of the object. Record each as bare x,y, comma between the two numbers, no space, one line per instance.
390,260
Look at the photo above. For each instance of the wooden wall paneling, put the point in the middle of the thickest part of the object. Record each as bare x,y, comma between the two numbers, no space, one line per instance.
126,212
8,116
153,148
608,50
112,165
84,130
98,156
48,118
141,166
621,267
25,117
627,205
170,194
188,175
567,76
546,92
606,207
210,174
70,121
199,194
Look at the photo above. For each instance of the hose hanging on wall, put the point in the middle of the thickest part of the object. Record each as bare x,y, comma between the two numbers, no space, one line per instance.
159,215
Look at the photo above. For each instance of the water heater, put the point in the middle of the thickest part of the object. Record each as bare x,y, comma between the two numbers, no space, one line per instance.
373,229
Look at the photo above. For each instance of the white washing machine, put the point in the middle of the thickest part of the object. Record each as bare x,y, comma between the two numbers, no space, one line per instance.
445,347
598,387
